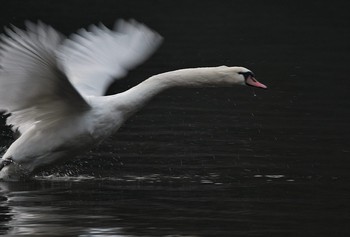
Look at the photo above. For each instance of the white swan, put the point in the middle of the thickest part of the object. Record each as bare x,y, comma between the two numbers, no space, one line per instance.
53,88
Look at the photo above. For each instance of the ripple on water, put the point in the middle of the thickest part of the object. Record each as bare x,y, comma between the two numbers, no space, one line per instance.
156,178
212,178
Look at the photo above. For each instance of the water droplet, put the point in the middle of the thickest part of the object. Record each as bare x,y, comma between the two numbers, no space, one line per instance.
205,181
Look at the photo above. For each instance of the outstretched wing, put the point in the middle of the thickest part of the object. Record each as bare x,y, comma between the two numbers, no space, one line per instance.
32,86
93,59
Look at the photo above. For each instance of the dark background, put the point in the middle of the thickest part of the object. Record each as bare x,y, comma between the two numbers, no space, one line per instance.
299,49
213,162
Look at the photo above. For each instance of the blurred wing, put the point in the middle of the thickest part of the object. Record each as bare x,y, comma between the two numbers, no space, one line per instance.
32,86
93,59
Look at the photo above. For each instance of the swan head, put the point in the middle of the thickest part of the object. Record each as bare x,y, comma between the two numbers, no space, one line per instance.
242,76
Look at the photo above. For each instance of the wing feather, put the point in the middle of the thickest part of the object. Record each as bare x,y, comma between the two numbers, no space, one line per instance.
94,58
33,88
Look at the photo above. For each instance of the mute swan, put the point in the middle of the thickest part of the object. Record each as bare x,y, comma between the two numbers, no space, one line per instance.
53,88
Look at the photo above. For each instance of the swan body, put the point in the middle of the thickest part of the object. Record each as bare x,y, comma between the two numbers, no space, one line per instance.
53,88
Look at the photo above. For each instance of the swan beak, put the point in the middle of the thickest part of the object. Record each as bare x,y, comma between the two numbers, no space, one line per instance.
251,81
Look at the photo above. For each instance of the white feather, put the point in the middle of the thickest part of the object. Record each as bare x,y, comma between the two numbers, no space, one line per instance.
93,59
42,82
32,86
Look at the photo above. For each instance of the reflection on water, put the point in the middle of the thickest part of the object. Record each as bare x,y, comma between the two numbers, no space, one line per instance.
208,162
196,206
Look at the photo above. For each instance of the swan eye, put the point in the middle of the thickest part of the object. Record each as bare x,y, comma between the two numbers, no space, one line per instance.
247,74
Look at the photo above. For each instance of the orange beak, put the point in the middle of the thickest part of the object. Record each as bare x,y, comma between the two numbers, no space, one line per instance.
251,81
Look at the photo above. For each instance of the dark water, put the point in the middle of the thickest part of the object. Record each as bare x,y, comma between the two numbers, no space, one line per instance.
207,162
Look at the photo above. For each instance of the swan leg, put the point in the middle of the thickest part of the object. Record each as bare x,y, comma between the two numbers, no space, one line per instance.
11,171
5,162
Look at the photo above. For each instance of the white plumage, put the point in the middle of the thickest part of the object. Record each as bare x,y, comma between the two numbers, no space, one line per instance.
53,88
93,59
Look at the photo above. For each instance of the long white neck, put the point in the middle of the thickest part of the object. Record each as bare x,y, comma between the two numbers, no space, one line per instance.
135,98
